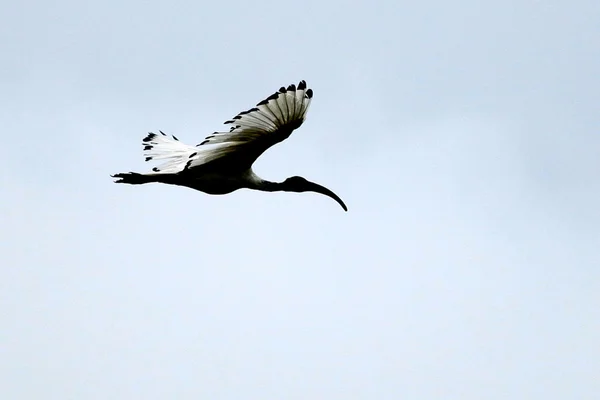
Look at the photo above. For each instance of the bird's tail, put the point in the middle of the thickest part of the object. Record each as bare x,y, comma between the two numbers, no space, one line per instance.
170,149
160,147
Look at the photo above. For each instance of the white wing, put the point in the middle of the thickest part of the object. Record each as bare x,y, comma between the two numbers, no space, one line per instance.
251,133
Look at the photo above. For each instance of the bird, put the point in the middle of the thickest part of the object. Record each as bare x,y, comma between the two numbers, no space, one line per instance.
222,162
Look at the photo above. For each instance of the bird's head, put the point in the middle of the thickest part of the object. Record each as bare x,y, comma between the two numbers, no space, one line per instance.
299,184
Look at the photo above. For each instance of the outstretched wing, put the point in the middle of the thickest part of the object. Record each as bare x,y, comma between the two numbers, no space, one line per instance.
251,133
255,130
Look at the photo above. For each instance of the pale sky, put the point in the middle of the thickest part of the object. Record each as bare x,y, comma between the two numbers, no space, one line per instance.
463,136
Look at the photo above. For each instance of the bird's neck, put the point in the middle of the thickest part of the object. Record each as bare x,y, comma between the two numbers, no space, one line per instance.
269,186
256,182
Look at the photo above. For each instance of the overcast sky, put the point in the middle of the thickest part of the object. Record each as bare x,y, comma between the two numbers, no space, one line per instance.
463,136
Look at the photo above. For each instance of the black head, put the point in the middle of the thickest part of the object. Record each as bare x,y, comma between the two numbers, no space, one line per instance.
299,184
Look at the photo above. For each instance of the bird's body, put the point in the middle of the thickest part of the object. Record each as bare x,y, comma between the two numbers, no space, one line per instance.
209,182
222,163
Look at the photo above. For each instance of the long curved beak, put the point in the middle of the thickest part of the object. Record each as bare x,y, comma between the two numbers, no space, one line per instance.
323,190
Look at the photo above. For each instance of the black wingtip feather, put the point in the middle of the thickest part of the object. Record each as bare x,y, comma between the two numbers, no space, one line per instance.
149,137
309,93
302,85
148,158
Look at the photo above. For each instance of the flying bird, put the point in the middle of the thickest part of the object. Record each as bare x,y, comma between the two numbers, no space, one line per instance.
222,163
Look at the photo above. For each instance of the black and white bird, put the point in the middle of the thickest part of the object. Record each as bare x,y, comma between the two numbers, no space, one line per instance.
222,163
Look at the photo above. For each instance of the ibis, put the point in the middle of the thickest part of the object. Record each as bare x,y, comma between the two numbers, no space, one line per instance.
222,163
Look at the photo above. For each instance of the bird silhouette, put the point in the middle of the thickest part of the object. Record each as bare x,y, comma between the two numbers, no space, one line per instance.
222,163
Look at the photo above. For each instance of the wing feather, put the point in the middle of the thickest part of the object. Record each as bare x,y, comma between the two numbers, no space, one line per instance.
250,133
271,121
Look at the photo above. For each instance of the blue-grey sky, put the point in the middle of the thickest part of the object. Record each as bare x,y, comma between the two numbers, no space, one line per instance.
463,136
